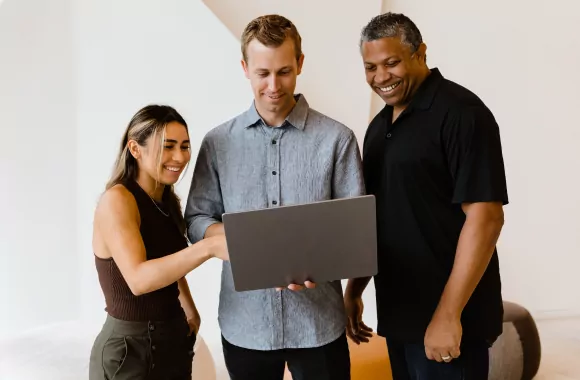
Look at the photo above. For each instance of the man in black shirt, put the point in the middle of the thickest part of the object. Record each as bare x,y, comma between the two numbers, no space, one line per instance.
433,159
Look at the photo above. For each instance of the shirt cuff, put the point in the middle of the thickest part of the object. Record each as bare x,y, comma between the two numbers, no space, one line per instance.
196,230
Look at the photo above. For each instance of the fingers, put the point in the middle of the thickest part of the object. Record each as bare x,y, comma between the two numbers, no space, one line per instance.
363,338
364,327
364,335
353,328
307,285
446,358
350,332
296,287
455,352
358,332
431,355
438,355
442,354
293,287
310,284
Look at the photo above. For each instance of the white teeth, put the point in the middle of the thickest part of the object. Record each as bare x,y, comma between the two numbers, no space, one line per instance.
172,169
389,88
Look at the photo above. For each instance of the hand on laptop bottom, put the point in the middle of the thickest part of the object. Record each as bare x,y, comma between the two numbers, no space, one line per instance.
296,287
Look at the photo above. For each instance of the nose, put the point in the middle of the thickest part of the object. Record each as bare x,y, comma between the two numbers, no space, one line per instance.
273,83
179,156
382,75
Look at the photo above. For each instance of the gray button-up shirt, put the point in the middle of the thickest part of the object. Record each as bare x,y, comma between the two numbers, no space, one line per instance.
245,165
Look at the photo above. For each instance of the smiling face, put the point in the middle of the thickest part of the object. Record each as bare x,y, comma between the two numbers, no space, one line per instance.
272,71
392,70
164,155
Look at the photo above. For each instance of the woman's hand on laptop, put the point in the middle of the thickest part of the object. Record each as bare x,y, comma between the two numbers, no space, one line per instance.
296,287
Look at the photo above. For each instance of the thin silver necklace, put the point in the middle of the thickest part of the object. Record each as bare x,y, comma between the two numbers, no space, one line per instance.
155,203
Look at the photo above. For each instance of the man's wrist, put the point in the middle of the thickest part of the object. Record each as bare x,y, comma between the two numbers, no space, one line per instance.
355,287
448,311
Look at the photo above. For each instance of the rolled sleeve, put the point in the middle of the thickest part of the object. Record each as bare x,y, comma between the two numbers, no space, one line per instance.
348,180
204,202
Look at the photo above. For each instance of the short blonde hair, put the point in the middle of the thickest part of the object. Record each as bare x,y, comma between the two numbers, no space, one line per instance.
271,30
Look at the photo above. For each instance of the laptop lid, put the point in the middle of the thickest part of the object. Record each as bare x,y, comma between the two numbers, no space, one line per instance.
321,241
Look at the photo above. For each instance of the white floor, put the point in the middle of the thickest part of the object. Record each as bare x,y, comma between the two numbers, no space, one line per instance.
560,349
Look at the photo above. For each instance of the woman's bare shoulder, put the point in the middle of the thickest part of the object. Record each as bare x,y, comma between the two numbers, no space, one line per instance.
117,201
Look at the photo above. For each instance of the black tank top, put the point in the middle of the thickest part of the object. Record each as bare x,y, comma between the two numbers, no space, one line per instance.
161,237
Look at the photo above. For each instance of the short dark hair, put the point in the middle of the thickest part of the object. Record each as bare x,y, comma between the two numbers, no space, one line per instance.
271,30
392,25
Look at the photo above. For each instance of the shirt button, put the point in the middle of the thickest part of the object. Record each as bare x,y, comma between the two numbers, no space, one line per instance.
274,142
389,135
151,327
274,172
274,202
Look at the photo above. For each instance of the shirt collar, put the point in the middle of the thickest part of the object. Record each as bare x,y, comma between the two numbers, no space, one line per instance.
296,118
424,96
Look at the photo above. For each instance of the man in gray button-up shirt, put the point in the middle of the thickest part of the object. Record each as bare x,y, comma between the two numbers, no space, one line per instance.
278,152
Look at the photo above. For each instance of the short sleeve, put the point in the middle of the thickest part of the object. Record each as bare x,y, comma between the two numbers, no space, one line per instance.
347,179
204,205
472,143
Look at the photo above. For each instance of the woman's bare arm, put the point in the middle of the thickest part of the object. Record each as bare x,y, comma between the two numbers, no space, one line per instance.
117,220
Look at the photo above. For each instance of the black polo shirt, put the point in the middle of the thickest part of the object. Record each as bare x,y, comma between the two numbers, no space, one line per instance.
444,149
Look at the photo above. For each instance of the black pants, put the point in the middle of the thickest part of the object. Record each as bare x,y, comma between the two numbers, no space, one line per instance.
126,350
329,362
409,362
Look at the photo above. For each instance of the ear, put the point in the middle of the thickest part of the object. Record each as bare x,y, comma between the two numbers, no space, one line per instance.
133,148
421,52
300,63
245,67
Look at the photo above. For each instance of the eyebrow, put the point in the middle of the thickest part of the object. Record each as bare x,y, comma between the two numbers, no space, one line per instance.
175,141
266,70
384,60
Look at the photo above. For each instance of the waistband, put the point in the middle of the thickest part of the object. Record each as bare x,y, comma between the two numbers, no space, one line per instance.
139,328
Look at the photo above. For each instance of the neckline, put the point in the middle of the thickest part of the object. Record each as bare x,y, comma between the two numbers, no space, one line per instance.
157,205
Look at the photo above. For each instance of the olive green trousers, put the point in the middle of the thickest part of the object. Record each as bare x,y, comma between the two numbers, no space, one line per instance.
126,350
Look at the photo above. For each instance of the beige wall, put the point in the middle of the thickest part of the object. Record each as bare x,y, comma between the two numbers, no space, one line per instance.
37,162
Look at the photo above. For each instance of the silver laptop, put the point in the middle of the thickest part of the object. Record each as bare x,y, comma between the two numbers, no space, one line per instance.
321,241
